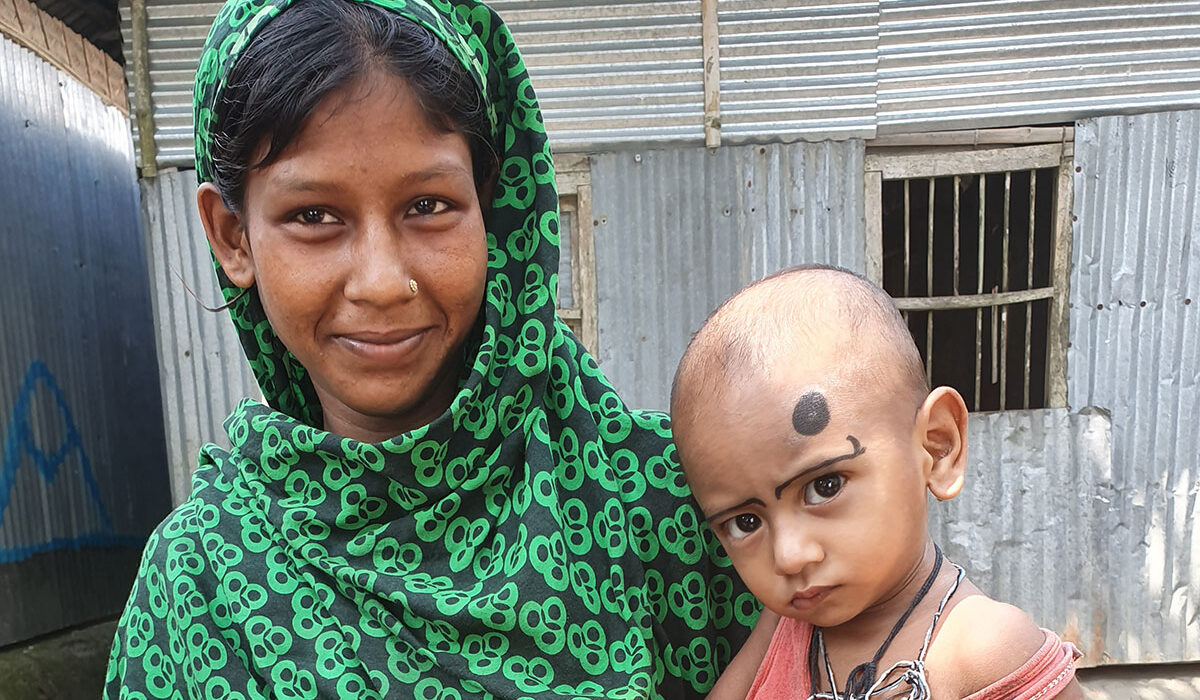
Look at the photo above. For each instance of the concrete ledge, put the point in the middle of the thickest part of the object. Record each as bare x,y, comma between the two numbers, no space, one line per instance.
1142,682
62,666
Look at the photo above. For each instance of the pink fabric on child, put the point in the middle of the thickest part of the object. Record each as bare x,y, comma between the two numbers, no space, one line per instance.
784,673
1043,676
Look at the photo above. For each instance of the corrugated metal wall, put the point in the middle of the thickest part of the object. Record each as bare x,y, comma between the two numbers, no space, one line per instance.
81,471
606,71
679,230
959,65
203,369
631,73
637,75
797,69
1135,352
1031,526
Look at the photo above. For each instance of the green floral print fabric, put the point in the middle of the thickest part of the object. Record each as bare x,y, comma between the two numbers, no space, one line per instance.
536,540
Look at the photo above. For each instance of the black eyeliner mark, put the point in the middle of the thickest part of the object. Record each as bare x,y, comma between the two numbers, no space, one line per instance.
856,451
811,414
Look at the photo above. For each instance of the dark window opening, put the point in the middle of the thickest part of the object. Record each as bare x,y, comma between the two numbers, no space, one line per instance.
949,244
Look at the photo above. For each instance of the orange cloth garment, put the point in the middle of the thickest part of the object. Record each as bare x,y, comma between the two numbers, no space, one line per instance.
784,673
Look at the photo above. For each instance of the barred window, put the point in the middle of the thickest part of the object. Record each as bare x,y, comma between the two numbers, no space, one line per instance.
974,245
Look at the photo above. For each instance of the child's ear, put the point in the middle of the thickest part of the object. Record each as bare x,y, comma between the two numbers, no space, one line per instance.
942,423
227,236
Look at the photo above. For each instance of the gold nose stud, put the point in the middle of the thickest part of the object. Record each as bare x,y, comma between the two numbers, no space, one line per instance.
412,284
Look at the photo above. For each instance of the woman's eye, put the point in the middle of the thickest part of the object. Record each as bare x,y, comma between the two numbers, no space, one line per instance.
426,206
740,526
823,489
315,215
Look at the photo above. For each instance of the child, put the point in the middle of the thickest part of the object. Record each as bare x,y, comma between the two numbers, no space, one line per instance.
808,433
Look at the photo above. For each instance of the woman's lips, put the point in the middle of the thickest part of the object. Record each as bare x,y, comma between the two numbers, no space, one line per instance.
810,598
382,346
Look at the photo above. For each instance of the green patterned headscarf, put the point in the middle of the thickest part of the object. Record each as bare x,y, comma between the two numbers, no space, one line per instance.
535,540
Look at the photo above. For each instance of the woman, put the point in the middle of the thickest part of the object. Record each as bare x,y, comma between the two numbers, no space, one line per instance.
445,498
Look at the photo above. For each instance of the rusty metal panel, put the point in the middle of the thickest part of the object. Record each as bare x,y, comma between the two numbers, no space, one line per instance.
1033,524
1135,352
203,371
82,478
957,65
797,70
679,230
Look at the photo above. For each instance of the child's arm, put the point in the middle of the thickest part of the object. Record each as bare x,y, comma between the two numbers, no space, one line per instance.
735,681
983,641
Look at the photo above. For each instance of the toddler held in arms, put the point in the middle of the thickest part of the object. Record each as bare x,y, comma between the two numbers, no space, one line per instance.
809,436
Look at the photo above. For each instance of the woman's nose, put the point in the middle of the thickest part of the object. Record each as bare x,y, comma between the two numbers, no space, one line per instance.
794,549
378,266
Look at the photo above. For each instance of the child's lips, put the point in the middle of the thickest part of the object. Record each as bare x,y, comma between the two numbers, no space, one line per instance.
810,597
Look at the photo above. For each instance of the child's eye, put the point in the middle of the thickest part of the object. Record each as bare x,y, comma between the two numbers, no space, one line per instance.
740,526
823,489
427,206
315,216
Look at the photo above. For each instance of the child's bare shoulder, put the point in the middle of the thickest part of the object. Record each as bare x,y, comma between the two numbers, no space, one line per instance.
982,641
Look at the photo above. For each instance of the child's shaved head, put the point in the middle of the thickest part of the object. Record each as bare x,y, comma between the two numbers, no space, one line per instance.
806,313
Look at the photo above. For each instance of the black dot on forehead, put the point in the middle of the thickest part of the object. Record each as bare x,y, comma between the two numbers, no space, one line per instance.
811,414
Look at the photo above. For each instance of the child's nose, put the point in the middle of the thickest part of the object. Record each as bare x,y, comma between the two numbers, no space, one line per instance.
794,550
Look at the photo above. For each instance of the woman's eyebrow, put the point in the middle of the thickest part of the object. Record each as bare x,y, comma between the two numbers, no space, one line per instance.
856,450
743,504
301,183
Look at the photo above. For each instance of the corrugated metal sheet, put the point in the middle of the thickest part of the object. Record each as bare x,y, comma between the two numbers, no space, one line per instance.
177,29
1032,525
630,73
678,231
635,77
1135,351
203,370
81,469
610,72
793,69
958,65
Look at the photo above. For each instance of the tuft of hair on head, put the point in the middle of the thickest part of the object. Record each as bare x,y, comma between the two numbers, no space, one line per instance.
794,311
317,47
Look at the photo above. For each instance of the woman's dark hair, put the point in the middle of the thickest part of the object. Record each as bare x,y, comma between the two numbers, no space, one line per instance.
316,47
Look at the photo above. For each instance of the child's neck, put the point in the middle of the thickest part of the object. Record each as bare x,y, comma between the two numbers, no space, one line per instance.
857,640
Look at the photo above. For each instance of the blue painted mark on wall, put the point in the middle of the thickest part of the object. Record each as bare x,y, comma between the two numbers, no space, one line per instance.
19,442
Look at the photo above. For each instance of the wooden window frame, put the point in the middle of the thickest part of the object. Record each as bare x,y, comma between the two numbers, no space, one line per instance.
972,153
573,173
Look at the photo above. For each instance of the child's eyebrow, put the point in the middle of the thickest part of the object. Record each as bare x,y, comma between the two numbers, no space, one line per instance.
743,504
856,451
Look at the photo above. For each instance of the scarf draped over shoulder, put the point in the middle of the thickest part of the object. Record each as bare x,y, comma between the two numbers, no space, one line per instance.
536,540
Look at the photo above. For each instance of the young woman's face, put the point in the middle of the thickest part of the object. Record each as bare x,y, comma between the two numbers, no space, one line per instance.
367,245
820,507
